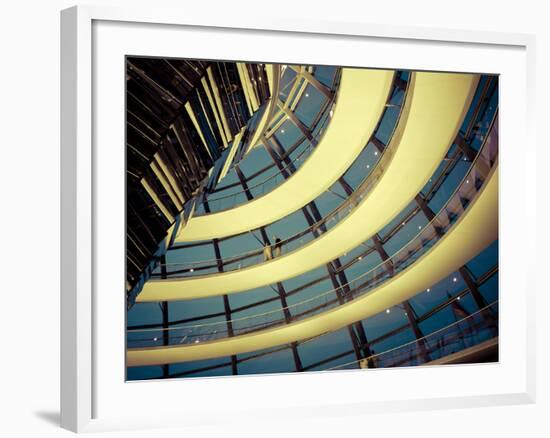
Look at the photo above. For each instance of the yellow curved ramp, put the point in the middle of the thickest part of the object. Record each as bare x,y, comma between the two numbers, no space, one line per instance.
474,231
437,107
359,105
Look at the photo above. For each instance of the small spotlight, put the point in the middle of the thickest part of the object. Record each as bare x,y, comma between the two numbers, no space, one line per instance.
375,153
427,290
282,131
307,94
454,279
191,270
387,310
155,339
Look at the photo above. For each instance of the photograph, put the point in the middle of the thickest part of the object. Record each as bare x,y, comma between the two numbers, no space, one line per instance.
275,220
285,218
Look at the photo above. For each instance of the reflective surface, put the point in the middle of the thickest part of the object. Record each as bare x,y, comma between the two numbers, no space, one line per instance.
428,236
452,315
336,204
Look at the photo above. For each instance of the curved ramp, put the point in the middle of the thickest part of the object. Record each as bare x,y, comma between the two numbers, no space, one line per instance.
474,231
359,105
438,105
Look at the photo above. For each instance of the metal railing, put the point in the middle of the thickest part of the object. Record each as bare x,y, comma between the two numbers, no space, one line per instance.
456,205
226,202
287,245
467,332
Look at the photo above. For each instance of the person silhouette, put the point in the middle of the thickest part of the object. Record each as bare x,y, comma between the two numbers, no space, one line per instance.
267,252
277,247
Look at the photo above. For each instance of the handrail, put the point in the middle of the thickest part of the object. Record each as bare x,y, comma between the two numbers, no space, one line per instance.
425,338
335,215
437,227
321,123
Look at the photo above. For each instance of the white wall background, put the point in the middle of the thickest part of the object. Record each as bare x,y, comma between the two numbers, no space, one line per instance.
29,216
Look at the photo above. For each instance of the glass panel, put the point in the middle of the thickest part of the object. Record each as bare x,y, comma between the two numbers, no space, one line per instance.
325,74
387,124
439,320
287,80
142,373
144,313
251,296
288,134
315,350
239,245
189,255
295,282
192,369
310,292
277,362
397,219
400,338
309,106
255,160
287,227
362,166
195,308
489,289
335,362
451,182
365,264
406,233
484,260
385,322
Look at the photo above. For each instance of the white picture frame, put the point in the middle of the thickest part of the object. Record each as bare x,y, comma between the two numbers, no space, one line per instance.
83,350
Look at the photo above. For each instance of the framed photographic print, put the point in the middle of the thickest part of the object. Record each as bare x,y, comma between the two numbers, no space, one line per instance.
258,209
